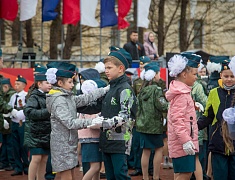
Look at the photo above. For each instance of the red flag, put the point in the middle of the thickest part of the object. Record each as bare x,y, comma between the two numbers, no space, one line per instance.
124,7
71,12
8,9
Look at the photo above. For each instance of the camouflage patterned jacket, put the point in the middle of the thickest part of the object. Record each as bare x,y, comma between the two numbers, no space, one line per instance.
199,95
5,109
151,105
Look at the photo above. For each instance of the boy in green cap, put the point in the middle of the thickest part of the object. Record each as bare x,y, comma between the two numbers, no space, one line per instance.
17,102
118,112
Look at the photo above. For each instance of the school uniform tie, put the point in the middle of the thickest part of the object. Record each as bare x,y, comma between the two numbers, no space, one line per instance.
15,104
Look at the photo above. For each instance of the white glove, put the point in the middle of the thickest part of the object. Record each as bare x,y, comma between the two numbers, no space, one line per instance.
5,124
14,113
107,88
199,106
7,115
96,123
164,121
188,148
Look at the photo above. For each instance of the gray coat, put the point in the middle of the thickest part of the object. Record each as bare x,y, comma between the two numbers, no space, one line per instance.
64,125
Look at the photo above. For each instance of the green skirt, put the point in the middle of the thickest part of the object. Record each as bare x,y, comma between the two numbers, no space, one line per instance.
39,151
184,164
151,141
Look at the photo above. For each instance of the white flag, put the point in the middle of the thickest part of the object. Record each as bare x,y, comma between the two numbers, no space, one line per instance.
142,13
27,9
88,8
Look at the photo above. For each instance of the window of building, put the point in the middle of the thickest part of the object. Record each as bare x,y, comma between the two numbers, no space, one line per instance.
198,27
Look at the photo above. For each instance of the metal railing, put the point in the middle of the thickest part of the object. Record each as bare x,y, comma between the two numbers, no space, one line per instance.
27,63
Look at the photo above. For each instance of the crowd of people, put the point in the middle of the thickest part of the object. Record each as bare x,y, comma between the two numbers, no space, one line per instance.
117,123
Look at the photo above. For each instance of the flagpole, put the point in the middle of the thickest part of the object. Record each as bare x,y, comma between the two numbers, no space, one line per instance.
62,40
62,33
81,63
21,26
118,38
21,41
100,41
137,28
1,33
41,39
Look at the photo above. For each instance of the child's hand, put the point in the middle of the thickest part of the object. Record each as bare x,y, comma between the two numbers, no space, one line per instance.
14,113
188,148
199,107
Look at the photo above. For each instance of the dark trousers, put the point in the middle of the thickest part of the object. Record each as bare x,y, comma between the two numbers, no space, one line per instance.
223,167
116,166
20,152
7,158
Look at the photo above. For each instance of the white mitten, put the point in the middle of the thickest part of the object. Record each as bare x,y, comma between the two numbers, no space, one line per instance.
88,86
96,123
7,115
188,148
14,113
199,106
164,121
107,88
5,124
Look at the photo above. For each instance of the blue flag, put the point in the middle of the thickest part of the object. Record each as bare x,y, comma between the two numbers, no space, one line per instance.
108,15
48,9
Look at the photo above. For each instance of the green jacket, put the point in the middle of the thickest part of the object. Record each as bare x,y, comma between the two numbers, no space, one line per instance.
137,85
5,109
199,95
151,105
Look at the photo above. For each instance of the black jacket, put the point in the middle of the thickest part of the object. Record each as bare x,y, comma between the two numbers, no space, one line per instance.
135,49
118,103
37,121
218,100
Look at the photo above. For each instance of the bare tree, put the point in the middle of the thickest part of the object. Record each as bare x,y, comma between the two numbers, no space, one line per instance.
55,33
29,33
183,25
15,29
72,34
159,24
161,37
2,30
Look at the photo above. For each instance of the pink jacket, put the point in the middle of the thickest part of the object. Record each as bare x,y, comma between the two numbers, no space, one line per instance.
88,133
181,119
150,49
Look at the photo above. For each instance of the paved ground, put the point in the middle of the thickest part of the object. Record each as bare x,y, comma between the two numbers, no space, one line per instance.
166,174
